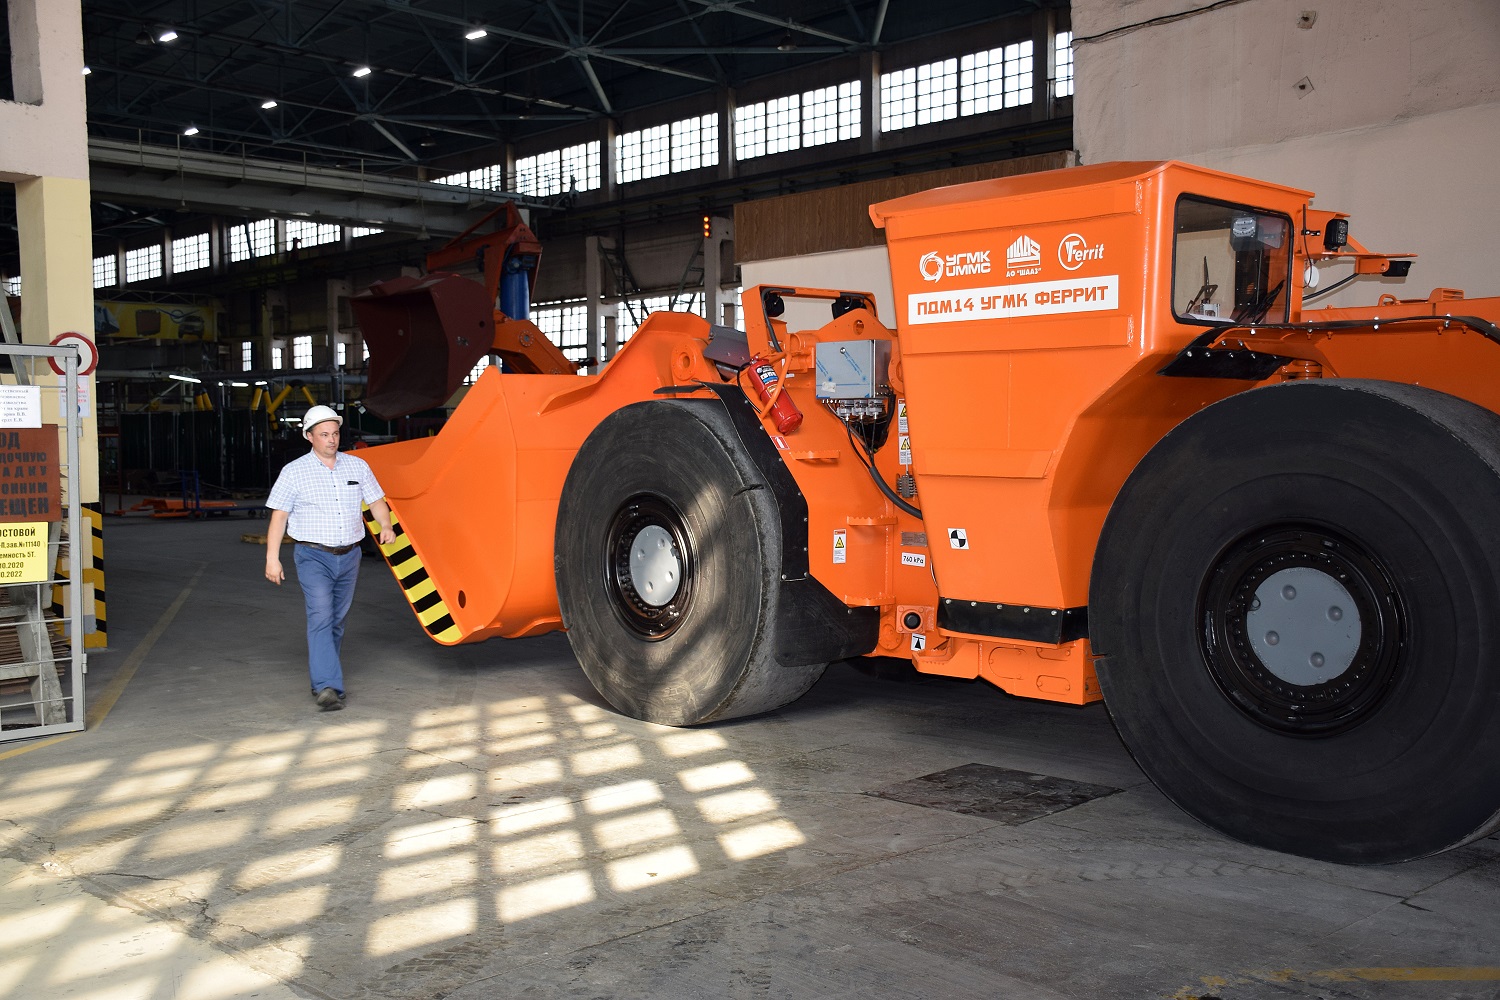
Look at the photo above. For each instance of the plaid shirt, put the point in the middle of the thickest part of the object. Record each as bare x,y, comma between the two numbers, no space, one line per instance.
324,504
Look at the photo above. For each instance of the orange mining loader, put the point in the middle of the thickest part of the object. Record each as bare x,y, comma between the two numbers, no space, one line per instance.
1107,450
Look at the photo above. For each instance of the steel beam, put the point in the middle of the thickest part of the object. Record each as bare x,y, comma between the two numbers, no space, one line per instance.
155,175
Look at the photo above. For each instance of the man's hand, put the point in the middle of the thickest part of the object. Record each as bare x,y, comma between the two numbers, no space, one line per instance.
381,511
275,532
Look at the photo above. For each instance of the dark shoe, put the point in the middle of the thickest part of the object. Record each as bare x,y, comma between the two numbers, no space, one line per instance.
329,700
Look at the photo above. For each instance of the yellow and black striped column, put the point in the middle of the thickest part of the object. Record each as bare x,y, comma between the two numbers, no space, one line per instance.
419,589
93,576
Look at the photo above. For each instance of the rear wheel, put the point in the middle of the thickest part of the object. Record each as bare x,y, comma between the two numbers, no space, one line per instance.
669,565
1293,602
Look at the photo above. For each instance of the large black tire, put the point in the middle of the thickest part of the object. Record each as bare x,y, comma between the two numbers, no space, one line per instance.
668,568
1296,604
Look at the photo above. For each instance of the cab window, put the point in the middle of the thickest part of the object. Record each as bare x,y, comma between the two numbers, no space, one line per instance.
1230,263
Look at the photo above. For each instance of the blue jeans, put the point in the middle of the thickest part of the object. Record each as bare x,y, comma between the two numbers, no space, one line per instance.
328,590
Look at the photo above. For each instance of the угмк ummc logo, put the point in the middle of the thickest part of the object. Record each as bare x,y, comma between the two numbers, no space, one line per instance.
935,265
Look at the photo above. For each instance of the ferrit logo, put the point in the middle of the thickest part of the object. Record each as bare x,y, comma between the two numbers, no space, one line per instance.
1074,250
1024,252
935,265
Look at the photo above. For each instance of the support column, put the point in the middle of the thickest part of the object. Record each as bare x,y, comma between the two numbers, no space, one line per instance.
593,290
53,224
720,231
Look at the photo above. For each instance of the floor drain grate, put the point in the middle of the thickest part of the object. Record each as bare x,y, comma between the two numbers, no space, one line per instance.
998,793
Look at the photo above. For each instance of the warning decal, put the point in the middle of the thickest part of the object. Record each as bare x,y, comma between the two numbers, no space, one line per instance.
918,641
840,545
1035,298
913,559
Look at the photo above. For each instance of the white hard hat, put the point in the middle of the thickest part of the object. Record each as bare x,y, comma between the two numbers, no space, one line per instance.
316,415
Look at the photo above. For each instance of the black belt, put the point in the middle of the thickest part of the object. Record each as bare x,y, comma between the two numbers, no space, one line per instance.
337,550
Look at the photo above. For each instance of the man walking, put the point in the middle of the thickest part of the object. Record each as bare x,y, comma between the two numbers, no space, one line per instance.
318,496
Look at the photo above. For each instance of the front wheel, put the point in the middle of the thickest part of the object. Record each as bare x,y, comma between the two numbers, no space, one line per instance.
1294,607
668,565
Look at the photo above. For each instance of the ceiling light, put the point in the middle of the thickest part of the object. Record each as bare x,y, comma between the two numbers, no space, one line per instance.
787,43
190,130
185,378
362,71
267,104
240,385
143,37
86,71
167,35
475,33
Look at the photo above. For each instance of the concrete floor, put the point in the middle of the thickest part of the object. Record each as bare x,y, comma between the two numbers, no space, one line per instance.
479,824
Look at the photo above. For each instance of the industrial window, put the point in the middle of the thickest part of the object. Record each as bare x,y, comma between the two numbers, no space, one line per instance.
143,263
247,355
104,272
12,286
575,168
919,95
190,253
784,124
643,154
490,178
695,142
768,127
341,354
627,324
358,231
686,144
812,118
750,131
477,370
1062,83
567,326
831,114
276,357
995,79
302,352
310,234
255,239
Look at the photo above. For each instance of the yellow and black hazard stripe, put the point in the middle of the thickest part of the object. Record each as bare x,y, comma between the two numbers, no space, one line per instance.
94,514
93,574
419,589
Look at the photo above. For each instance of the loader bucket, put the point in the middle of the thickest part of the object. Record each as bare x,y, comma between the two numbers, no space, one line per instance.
425,335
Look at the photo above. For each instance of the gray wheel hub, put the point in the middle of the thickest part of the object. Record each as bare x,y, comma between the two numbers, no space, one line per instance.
655,565
1303,625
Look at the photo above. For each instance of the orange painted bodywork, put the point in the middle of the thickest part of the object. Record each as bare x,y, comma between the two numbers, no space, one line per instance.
1022,425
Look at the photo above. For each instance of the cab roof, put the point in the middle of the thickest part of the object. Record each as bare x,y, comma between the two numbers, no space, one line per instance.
1052,182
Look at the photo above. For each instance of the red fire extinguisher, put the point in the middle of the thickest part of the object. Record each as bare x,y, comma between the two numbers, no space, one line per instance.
784,412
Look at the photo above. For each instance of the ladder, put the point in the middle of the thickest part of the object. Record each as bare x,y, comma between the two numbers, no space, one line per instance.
613,254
